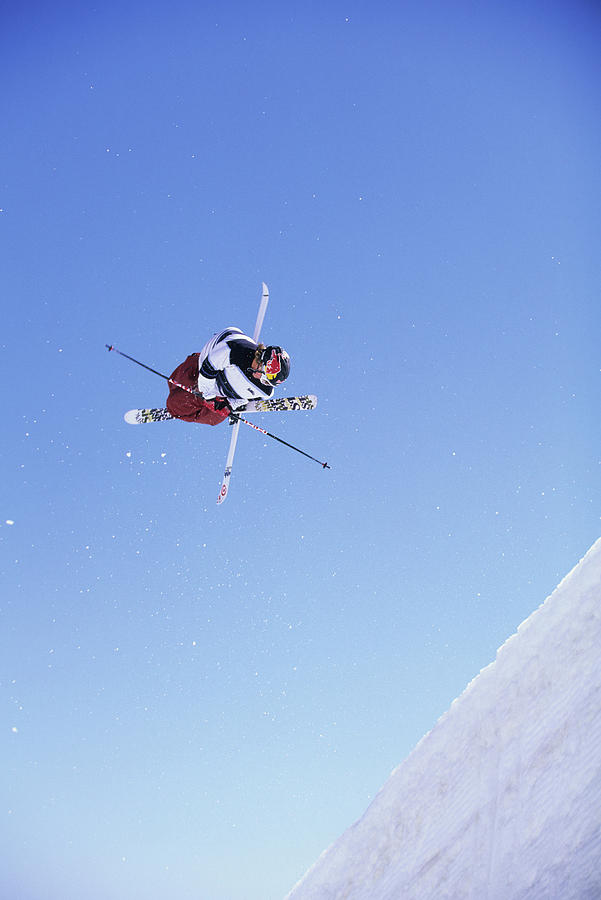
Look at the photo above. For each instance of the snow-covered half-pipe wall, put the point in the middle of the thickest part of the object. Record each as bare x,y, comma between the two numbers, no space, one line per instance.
502,799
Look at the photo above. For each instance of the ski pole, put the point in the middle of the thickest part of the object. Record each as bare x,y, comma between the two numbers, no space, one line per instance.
238,418
110,347
234,416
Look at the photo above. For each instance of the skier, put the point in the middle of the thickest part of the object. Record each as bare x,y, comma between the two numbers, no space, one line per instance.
229,370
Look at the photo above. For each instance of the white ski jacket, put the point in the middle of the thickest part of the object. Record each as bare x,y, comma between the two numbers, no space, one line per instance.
224,369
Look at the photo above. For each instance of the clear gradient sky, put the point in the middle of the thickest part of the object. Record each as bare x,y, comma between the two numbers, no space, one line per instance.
197,700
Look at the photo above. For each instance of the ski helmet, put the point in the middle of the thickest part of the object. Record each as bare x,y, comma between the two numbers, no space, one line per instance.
277,364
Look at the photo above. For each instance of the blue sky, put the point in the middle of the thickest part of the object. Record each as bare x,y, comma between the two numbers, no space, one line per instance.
197,700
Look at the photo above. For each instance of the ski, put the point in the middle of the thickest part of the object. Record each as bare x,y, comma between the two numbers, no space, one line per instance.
273,404
225,483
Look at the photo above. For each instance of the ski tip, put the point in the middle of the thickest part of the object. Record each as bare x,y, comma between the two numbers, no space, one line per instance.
225,484
131,416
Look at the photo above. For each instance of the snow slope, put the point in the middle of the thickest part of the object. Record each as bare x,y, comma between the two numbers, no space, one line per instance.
502,799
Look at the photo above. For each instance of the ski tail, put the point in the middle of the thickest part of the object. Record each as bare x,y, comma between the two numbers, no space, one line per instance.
142,416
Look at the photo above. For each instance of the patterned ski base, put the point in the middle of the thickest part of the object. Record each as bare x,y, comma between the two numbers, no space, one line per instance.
141,416
279,404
